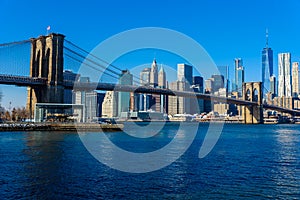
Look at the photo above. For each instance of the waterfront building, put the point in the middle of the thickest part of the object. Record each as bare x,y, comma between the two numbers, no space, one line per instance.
124,97
93,105
68,94
185,73
295,79
110,104
267,67
154,74
91,100
284,75
221,108
239,75
179,105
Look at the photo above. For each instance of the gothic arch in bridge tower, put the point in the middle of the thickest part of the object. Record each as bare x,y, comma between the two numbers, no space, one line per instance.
46,61
252,92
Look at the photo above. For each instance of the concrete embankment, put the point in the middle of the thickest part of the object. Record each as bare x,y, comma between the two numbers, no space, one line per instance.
81,127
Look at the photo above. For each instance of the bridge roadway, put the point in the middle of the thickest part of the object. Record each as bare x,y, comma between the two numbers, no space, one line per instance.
22,80
40,82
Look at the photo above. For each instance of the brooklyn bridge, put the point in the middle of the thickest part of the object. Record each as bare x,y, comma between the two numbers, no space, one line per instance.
45,82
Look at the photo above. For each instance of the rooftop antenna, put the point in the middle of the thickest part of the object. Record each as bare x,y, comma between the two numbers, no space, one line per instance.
267,38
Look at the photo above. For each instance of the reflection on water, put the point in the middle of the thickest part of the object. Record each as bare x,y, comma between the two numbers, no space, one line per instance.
248,161
287,161
44,154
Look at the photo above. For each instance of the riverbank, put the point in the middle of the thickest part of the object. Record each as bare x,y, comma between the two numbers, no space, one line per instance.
61,127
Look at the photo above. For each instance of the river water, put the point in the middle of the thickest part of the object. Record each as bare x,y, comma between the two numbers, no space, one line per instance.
254,161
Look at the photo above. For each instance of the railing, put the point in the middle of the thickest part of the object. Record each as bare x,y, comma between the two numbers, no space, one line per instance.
22,80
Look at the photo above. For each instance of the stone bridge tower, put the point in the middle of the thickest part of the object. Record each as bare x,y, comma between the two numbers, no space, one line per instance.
253,92
46,61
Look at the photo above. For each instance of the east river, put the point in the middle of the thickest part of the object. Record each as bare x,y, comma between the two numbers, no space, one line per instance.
248,161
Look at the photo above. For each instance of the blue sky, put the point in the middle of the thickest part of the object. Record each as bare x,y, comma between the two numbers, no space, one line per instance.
225,28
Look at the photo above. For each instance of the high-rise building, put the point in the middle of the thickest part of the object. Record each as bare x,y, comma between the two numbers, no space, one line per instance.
68,94
154,74
197,104
145,76
162,78
124,97
239,75
295,79
209,85
110,104
176,104
224,71
91,100
93,105
162,83
284,75
267,67
185,73
218,82
273,86
198,82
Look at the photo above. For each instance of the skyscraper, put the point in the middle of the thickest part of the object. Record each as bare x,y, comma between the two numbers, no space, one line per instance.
68,94
154,74
295,79
239,75
145,76
124,97
273,85
162,78
110,104
224,71
218,82
185,73
284,75
267,67
162,83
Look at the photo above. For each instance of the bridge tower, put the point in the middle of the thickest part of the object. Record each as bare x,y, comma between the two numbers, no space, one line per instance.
46,61
252,91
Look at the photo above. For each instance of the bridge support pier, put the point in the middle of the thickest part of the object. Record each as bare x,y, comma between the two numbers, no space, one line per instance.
252,92
46,61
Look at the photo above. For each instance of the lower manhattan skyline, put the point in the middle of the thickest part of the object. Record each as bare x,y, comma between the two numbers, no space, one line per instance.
224,29
156,99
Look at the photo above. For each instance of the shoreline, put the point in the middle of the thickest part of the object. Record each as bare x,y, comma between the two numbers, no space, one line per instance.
85,127
80,127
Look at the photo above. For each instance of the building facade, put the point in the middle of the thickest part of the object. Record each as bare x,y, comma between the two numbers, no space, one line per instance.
145,76
154,74
68,94
185,73
295,79
110,104
239,75
224,71
124,97
273,84
267,67
284,75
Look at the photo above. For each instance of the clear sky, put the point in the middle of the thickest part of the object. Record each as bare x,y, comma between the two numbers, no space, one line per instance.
225,28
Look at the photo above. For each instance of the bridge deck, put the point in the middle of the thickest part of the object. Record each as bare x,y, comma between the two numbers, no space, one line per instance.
38,82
